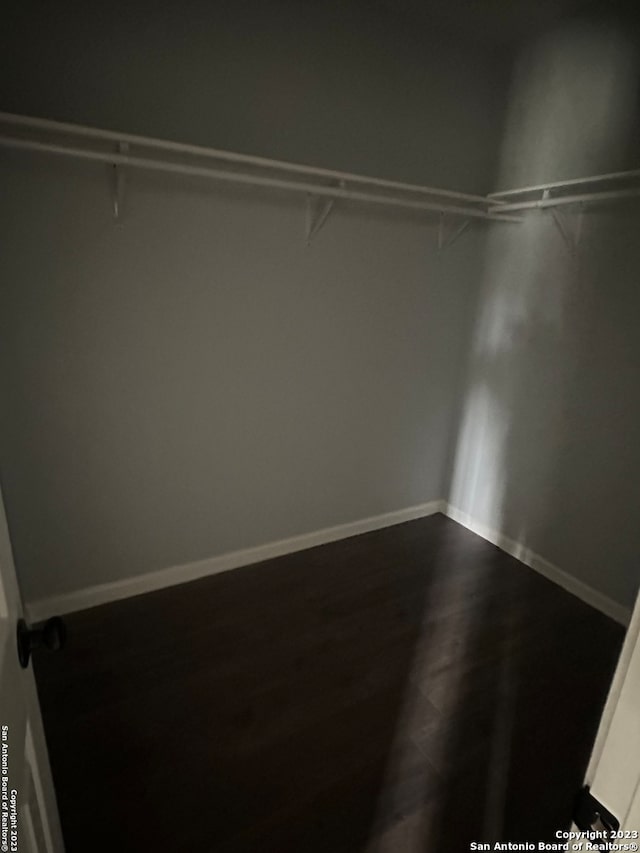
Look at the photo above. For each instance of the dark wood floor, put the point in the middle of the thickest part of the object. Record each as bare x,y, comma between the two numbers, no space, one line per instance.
407,690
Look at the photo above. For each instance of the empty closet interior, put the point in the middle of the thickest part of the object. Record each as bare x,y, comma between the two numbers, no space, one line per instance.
319,329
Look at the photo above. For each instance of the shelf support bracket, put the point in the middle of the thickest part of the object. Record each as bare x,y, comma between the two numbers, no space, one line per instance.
119,183
318,210
569,225
448,234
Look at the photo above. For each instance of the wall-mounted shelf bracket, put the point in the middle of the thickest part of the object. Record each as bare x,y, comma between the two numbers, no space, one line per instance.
119,181
318,210
449,231
569,224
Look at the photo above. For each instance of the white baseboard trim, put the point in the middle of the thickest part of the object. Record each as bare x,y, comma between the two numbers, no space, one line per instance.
550,571
103,593
93,596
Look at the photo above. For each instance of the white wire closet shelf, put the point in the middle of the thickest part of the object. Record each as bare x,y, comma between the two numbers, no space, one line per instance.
610,186
126,150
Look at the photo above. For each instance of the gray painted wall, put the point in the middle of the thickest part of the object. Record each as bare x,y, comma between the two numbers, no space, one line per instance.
336,84
548,448
197,380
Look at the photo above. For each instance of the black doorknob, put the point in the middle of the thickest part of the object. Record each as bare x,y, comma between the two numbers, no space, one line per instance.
52,635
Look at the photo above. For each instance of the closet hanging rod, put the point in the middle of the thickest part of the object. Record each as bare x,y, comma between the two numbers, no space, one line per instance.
81,131
113,158
571,182
578,198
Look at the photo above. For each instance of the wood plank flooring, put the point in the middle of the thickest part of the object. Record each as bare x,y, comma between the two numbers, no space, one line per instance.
407,690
